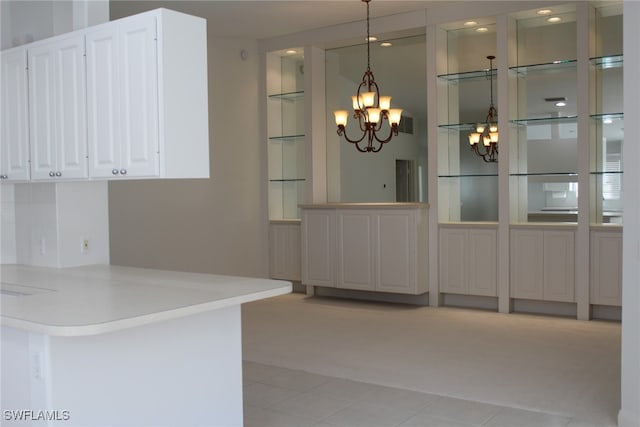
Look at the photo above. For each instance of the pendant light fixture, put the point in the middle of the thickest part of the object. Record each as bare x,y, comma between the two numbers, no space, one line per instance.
484,141
370,109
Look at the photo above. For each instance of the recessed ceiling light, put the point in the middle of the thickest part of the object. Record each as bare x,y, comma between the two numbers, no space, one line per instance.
561,104
470,23
371,38
544,11
482,29
554,19
291,51
386,44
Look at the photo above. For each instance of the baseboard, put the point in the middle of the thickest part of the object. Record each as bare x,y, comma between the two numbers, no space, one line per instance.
422,299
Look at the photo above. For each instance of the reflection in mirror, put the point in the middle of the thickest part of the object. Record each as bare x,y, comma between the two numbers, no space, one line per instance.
400,72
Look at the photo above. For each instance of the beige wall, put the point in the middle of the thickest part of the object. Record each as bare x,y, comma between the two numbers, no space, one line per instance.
217,225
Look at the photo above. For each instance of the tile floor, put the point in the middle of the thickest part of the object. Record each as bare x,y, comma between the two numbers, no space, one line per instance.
280,397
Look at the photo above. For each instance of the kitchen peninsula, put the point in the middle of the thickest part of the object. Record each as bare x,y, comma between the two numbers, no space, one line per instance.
108,345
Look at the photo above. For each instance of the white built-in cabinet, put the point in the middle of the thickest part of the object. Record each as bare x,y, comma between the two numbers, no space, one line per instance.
57,109
124,99
284,250
606,265
543,263
468,259
371,247
14,150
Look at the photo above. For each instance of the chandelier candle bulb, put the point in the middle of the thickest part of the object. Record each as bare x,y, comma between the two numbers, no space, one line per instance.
385,103
341,117
395,114
374,115
474,138
357,102
369,99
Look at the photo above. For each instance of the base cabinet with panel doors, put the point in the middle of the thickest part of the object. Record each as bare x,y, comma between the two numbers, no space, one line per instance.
543,263
606,265
376,247
123,99
14,149
284,250
57,108
467,259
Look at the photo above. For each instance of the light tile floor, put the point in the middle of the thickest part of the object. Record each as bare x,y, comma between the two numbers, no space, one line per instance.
280,397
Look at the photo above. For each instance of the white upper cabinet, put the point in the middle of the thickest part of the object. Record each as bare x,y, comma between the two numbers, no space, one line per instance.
57,109
147,97
123,99
14,145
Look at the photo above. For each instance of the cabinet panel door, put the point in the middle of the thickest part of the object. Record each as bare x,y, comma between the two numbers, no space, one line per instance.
42,112
606,268
396,252
355,250
481,262
559,264
14,154
139,97
284,251
526,264
103,102
318,248
71,131
452,261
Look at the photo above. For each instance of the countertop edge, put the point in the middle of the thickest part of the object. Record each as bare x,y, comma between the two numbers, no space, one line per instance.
145,319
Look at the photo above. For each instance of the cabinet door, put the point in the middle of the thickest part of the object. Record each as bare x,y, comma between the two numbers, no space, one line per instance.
14,147
355,245
559,265
482,262
452,261
284,251
396,252
103,102
122,94
318,247
57,110
71,119
606,268
139,97
42,112
527,264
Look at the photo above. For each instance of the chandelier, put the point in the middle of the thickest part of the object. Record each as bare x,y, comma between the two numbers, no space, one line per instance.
370,109
484,141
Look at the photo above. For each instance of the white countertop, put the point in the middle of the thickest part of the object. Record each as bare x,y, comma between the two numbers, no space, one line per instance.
366,205
102,298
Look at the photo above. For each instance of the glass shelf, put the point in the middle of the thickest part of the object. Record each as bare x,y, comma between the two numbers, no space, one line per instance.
605,62
545,174
549,67
288,96
286,137
469,75
288,180
468,175
544,120
609,116
459,126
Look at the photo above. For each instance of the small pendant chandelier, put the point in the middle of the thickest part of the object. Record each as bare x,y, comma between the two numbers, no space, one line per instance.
370,109
484,141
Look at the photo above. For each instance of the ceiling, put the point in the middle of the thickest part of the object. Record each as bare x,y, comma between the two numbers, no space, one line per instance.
264,19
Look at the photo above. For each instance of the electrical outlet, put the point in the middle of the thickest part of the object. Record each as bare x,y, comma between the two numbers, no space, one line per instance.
84,248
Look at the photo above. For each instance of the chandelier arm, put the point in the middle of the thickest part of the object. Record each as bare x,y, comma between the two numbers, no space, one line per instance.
343,132
392,131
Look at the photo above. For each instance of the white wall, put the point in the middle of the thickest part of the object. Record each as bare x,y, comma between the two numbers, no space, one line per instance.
630,376
216,225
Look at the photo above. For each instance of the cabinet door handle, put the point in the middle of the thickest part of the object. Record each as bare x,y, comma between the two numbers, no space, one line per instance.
52,174
123,171
4,177
58,173
114,171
